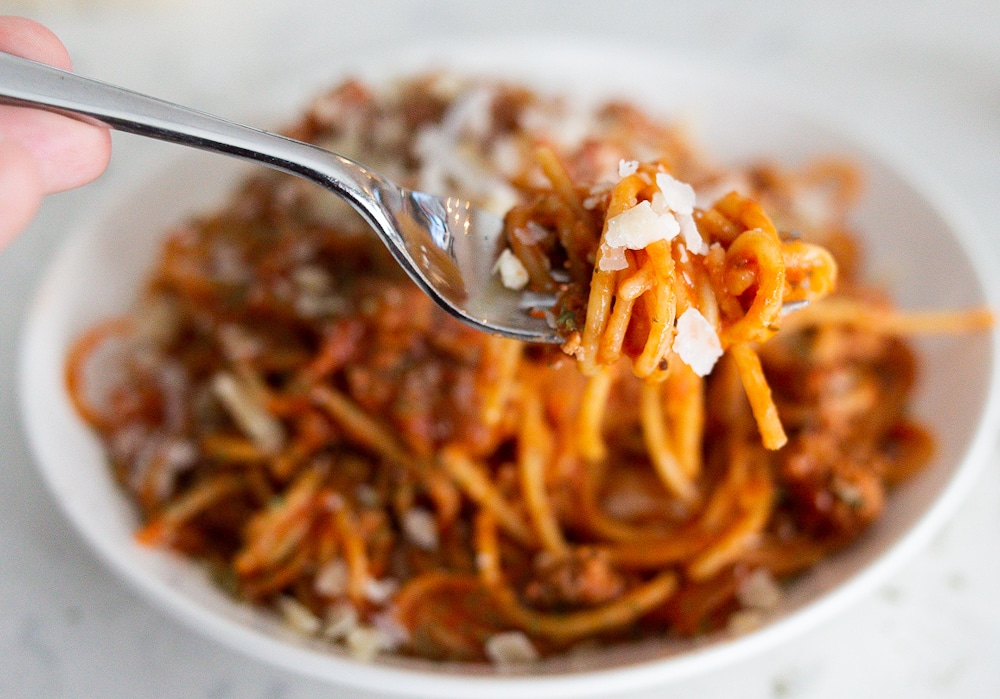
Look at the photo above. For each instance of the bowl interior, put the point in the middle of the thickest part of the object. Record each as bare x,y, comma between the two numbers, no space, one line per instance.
922,254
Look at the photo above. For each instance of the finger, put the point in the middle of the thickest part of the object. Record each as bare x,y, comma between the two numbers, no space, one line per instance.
29,39
20,190
69,153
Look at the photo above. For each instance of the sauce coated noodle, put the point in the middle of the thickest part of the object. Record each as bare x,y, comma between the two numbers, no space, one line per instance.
286,408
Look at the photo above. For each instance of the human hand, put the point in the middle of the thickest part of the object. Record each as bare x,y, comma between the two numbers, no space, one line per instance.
41,152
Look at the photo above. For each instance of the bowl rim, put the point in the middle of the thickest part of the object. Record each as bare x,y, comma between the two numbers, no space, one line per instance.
429,683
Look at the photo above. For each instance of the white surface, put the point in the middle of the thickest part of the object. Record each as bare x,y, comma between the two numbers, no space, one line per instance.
927,82
97,274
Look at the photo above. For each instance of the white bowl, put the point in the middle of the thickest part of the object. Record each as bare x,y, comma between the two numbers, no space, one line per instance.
916,244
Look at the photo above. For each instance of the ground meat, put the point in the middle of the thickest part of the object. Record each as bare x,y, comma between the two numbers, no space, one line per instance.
834,494
585,577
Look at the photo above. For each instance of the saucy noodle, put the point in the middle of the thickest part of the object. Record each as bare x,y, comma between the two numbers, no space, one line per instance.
286,408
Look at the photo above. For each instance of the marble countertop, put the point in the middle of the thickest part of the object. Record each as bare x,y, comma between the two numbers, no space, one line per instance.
926,75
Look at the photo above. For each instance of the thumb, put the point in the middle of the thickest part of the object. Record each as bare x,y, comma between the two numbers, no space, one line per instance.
21,189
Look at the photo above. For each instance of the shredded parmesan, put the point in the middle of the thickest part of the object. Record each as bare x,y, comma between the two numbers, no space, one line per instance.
639,226
566,126
444,159
513,274
258,424
678,198
341,620
392,634
627,167
507,157
510,649
379,591
331,579
177,455
531,233
312,278
228,265
314,296
420,528
237,343
298,616
498,199
697,343
692,237
611,259
745,621
363,643
759,590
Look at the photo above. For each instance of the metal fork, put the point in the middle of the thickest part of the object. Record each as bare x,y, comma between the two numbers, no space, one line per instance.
446,245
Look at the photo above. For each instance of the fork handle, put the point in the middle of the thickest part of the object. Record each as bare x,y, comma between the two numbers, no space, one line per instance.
27,83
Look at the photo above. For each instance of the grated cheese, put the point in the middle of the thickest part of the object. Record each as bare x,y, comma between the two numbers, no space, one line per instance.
759,590
237,343
639,226
363,643
745,621
498,199
627,167
298,616
258,424
392,634
531,233
379,591
331,579
510,649
611,259
697,343
312,279
177,455
567,126
446,157
420,528
341,620
677,196
506,156
692,237
513,274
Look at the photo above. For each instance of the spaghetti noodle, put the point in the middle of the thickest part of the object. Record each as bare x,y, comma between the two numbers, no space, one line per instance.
290,411
670,283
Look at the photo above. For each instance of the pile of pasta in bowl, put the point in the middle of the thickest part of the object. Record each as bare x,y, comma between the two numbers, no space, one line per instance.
730,406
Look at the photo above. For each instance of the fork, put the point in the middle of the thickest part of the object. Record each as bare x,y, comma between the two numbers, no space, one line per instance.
446,245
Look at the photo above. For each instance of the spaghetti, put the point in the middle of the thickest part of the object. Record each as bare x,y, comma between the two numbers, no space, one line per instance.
290,411
670,283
